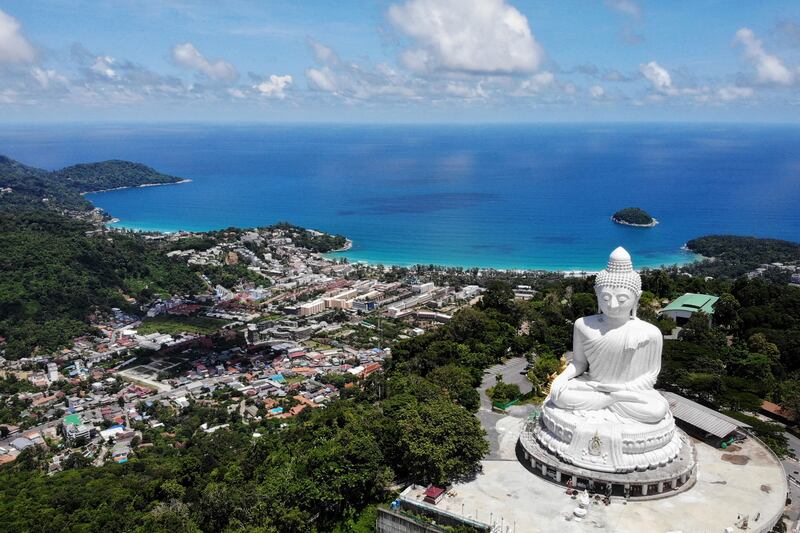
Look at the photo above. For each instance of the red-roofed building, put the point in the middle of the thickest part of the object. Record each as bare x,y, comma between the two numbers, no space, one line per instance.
777,412
370,368
434,494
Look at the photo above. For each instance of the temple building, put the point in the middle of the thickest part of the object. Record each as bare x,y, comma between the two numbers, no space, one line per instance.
681,309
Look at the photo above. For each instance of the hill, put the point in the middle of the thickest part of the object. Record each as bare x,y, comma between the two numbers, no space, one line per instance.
53,275
25,186
634,216
734,255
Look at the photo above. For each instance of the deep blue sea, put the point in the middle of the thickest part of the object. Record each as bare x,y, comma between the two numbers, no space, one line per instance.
510,196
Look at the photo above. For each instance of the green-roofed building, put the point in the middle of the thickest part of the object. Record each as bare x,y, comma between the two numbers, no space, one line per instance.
72,420
684,307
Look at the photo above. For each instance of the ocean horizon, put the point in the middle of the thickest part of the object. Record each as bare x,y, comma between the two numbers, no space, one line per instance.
528,196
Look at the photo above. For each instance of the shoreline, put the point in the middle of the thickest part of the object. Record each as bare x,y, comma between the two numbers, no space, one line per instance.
631,224
331,255
185,180
565,271
348,244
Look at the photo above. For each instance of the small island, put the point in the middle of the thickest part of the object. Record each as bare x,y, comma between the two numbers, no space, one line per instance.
634,216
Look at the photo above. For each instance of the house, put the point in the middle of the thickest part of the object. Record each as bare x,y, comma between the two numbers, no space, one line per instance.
111,433
681,309
21,443
433,494
120,452
777,412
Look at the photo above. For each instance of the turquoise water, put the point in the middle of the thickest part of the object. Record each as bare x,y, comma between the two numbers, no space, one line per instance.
530,196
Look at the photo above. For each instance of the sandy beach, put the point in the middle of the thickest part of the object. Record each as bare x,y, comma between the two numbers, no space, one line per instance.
137,186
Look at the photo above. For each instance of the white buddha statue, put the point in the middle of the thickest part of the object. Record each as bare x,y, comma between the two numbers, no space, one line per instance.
602,412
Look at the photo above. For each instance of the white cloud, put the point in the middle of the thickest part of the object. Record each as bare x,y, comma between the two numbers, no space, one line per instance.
322,79
354,82
534,84
466,90
540,80
103,66
275,86
186,55
769,68
48,78
475,36
732,92
323,54
628,7
597,91
658,76
661,80
14,47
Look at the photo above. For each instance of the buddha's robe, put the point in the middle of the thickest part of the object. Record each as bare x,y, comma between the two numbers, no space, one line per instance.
629,355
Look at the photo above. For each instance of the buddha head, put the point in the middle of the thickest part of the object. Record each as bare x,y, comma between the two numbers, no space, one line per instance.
618,286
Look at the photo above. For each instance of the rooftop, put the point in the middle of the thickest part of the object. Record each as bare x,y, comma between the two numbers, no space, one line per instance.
700,416
72,420
692,303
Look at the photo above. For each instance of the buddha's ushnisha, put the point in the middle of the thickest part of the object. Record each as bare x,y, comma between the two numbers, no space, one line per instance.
616,356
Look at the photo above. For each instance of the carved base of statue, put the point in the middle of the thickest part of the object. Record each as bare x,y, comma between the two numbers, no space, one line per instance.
604,441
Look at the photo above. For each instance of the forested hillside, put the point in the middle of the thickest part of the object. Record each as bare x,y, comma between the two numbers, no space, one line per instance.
25,186
53,275
734,255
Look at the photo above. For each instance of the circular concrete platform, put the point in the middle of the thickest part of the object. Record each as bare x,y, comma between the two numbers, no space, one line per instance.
746,480
676,476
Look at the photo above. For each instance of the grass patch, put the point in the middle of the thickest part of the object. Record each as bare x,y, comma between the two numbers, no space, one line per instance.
180,324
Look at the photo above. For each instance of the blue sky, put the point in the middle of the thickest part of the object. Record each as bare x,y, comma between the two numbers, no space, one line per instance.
399,60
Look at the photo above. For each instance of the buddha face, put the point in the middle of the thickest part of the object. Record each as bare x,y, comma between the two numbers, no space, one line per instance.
616,302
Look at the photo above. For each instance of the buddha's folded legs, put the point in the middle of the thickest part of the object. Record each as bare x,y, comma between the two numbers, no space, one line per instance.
649,407
583,398
651,411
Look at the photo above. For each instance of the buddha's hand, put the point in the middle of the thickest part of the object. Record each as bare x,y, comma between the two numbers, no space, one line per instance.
558,386
609,387
627,396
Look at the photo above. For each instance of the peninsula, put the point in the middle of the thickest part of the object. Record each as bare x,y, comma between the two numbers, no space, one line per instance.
23,186
634,216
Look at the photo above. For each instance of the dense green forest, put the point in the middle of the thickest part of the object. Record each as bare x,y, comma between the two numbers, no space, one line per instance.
732,256
304,238
24,186
314,241
633,215
53,276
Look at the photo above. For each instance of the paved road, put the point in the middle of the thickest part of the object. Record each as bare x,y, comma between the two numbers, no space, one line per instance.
513,371
792,467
